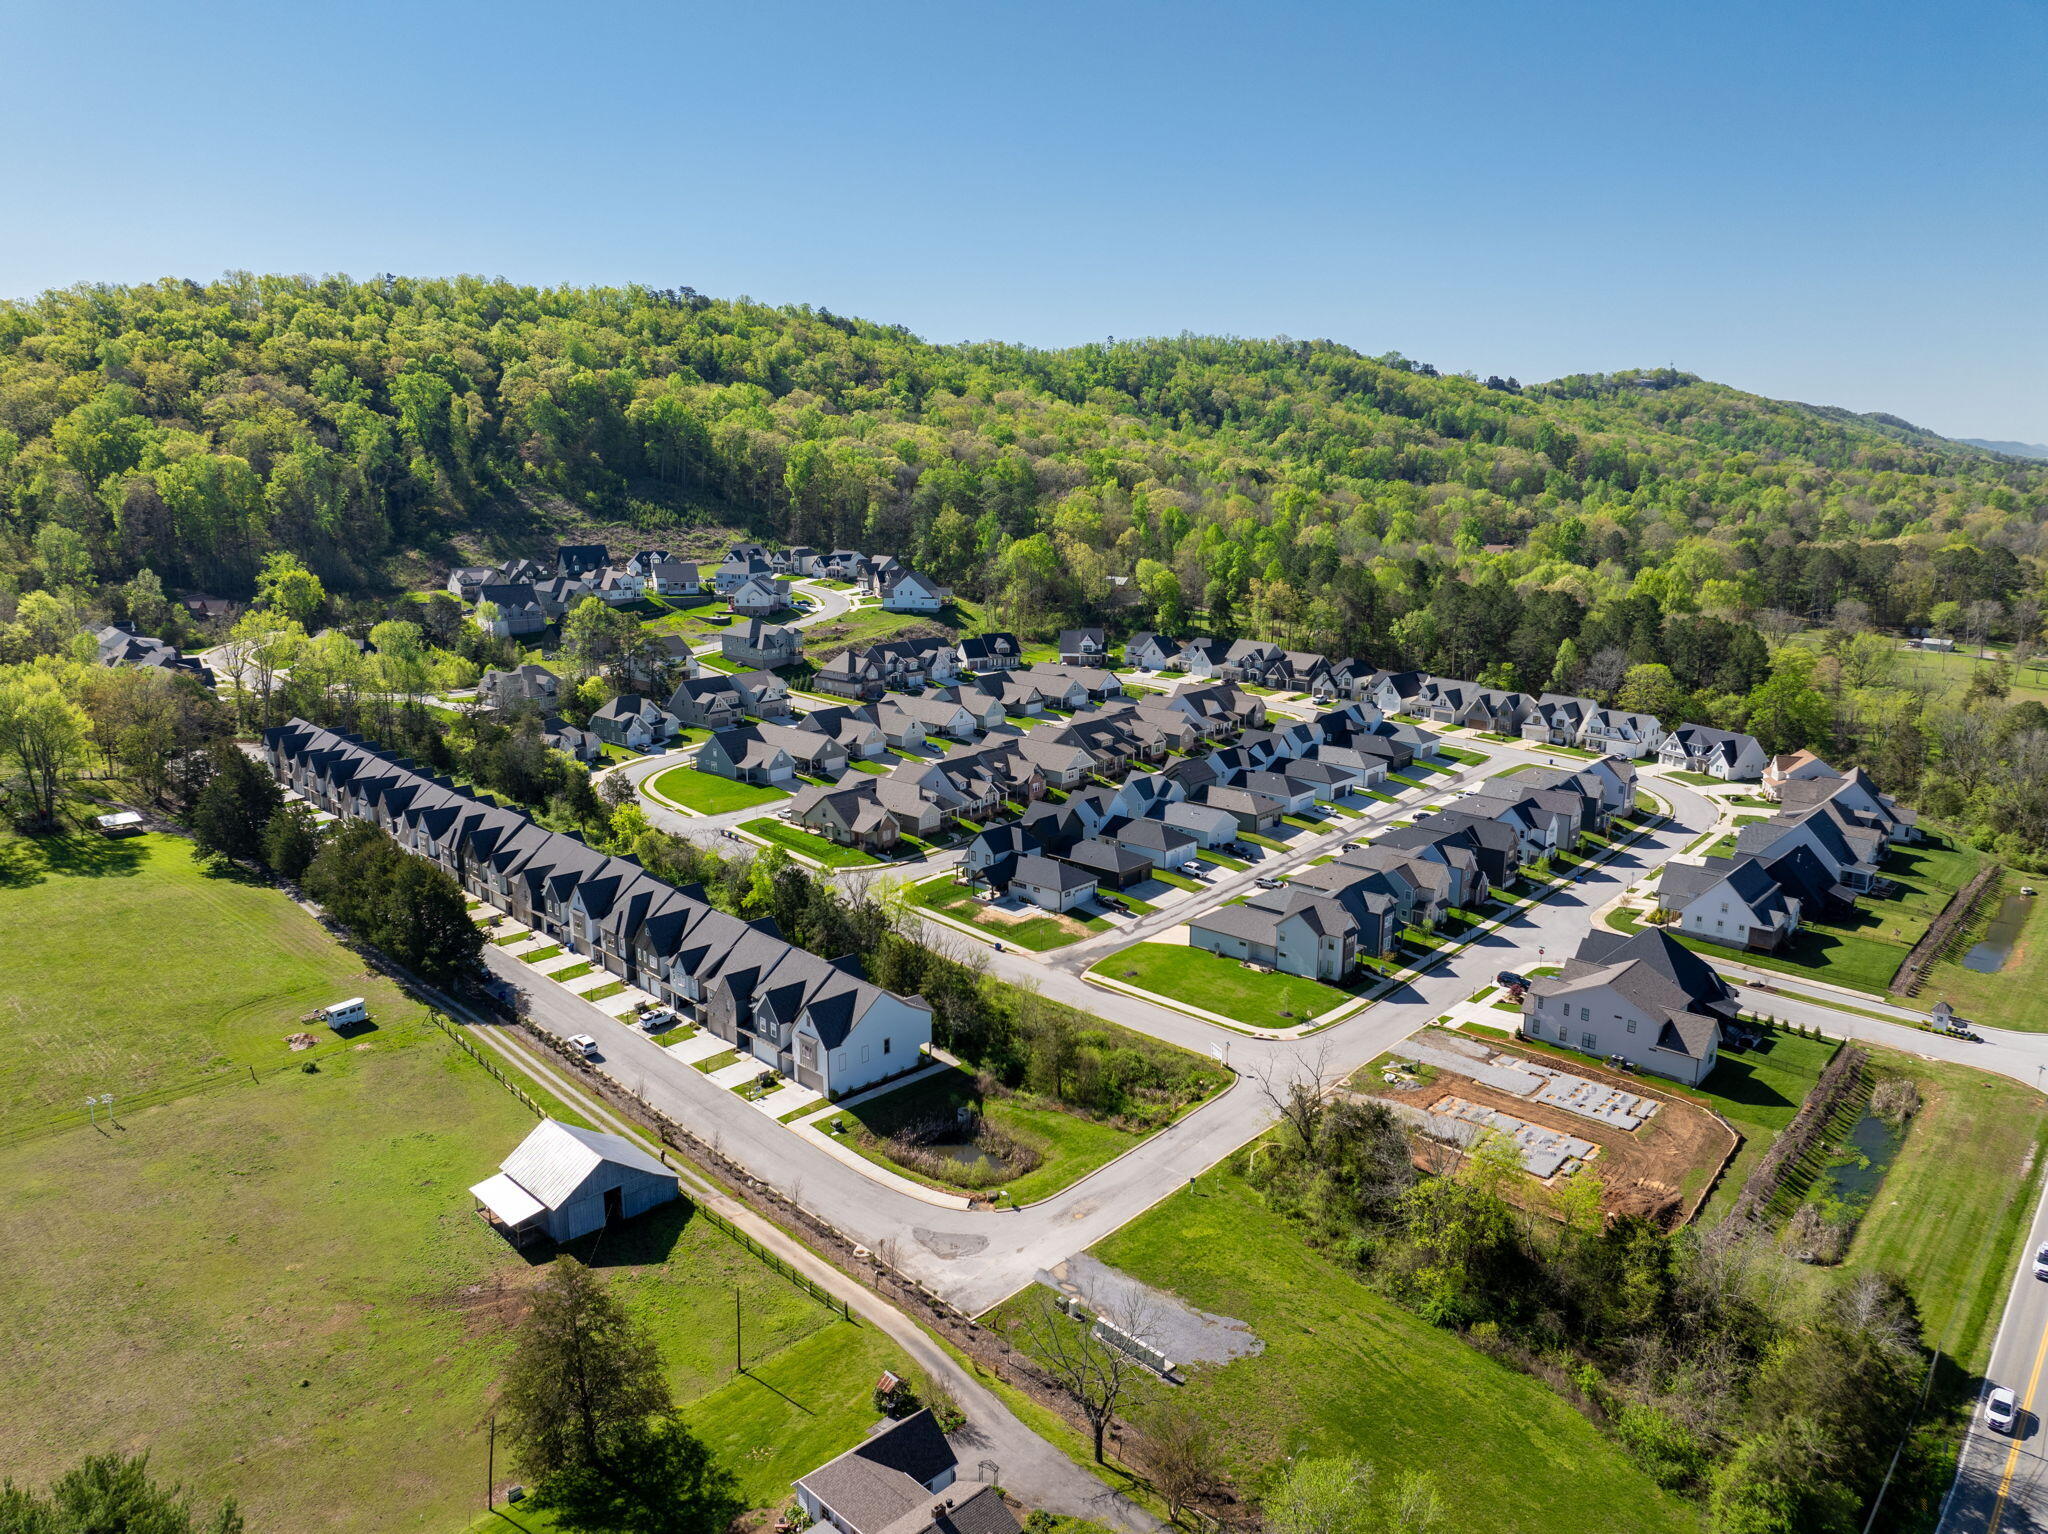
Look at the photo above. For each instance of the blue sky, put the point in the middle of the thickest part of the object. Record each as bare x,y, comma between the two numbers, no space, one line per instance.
1846,204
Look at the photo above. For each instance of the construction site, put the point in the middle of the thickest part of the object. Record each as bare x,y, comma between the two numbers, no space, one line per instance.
1656,1154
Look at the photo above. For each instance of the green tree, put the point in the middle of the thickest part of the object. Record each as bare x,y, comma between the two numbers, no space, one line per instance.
583,1378
290,841
595,635
42,739
233,809
287,588
655,1477
110,1494
1651,689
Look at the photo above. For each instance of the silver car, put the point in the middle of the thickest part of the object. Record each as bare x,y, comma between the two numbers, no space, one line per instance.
2001,1411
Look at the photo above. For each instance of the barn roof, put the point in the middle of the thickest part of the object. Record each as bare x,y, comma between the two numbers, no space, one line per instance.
551,1163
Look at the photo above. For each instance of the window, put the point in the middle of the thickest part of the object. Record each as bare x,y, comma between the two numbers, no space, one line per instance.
863,1054
887,1042
1585,1016
1588,1043
1631,1025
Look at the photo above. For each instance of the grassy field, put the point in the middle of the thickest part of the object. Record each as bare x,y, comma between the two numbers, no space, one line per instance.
1216,984
2013,996
280,1289
1071,1146
1347,1372
950,897
283,1294
1952,1211
707,793
816,848
134,971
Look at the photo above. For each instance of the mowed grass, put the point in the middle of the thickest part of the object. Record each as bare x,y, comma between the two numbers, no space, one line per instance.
278,1287
817,848
707,793
1952,1213
2015,995
131,970
317,1228
1216,984
1072,1146
1345,1371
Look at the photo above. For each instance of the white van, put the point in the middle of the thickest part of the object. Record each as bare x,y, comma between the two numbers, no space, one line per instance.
344,1013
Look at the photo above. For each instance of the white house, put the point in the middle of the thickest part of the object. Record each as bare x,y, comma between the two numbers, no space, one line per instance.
909,592
1726,754
1051,883
1645,998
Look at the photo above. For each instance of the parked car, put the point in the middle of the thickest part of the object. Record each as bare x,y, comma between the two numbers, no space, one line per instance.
2041,1261
2002,1411
585,1044
1509,977
1268,883
654,1019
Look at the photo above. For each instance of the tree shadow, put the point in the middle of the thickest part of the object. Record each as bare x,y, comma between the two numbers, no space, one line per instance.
88,857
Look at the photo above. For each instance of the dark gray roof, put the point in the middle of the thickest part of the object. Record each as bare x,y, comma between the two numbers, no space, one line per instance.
1052,873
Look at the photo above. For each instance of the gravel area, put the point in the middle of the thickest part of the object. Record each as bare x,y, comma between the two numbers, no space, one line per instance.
1184,1334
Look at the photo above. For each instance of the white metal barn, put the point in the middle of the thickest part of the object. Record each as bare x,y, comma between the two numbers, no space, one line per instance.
564,1182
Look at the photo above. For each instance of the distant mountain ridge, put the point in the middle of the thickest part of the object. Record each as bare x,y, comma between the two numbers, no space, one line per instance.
2010,449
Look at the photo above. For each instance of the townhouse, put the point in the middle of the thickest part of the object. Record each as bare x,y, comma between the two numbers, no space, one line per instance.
819,1022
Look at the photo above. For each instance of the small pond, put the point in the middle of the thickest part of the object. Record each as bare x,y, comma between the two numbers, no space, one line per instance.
1857,1168
1995,947
967,1153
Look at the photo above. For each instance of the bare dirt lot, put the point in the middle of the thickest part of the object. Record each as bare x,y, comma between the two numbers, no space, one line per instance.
1660,1171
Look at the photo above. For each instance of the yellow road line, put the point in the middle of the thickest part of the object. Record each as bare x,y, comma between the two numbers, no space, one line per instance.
2012,1458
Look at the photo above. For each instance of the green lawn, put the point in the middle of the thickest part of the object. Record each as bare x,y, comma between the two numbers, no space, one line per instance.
1216,984
281,1291
717,1062
1952,1211
1345,1371
707,793
2013,996
131,970
950,897
1071,1146
817,848
1223,860
1697,779
1817,952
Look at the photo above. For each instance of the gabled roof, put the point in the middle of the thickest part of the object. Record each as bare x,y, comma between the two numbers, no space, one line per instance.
1051,873
556,1159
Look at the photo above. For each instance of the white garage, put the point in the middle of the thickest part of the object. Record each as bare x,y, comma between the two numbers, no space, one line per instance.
564,1182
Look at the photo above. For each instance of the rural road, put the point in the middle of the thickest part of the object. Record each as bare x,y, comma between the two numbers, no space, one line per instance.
2001,1484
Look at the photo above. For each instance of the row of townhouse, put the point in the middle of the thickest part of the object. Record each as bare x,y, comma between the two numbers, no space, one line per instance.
1814,858
1326,918
1556,719
818,1022
982,772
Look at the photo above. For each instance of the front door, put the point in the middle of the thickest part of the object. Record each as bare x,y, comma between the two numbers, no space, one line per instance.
614,1206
